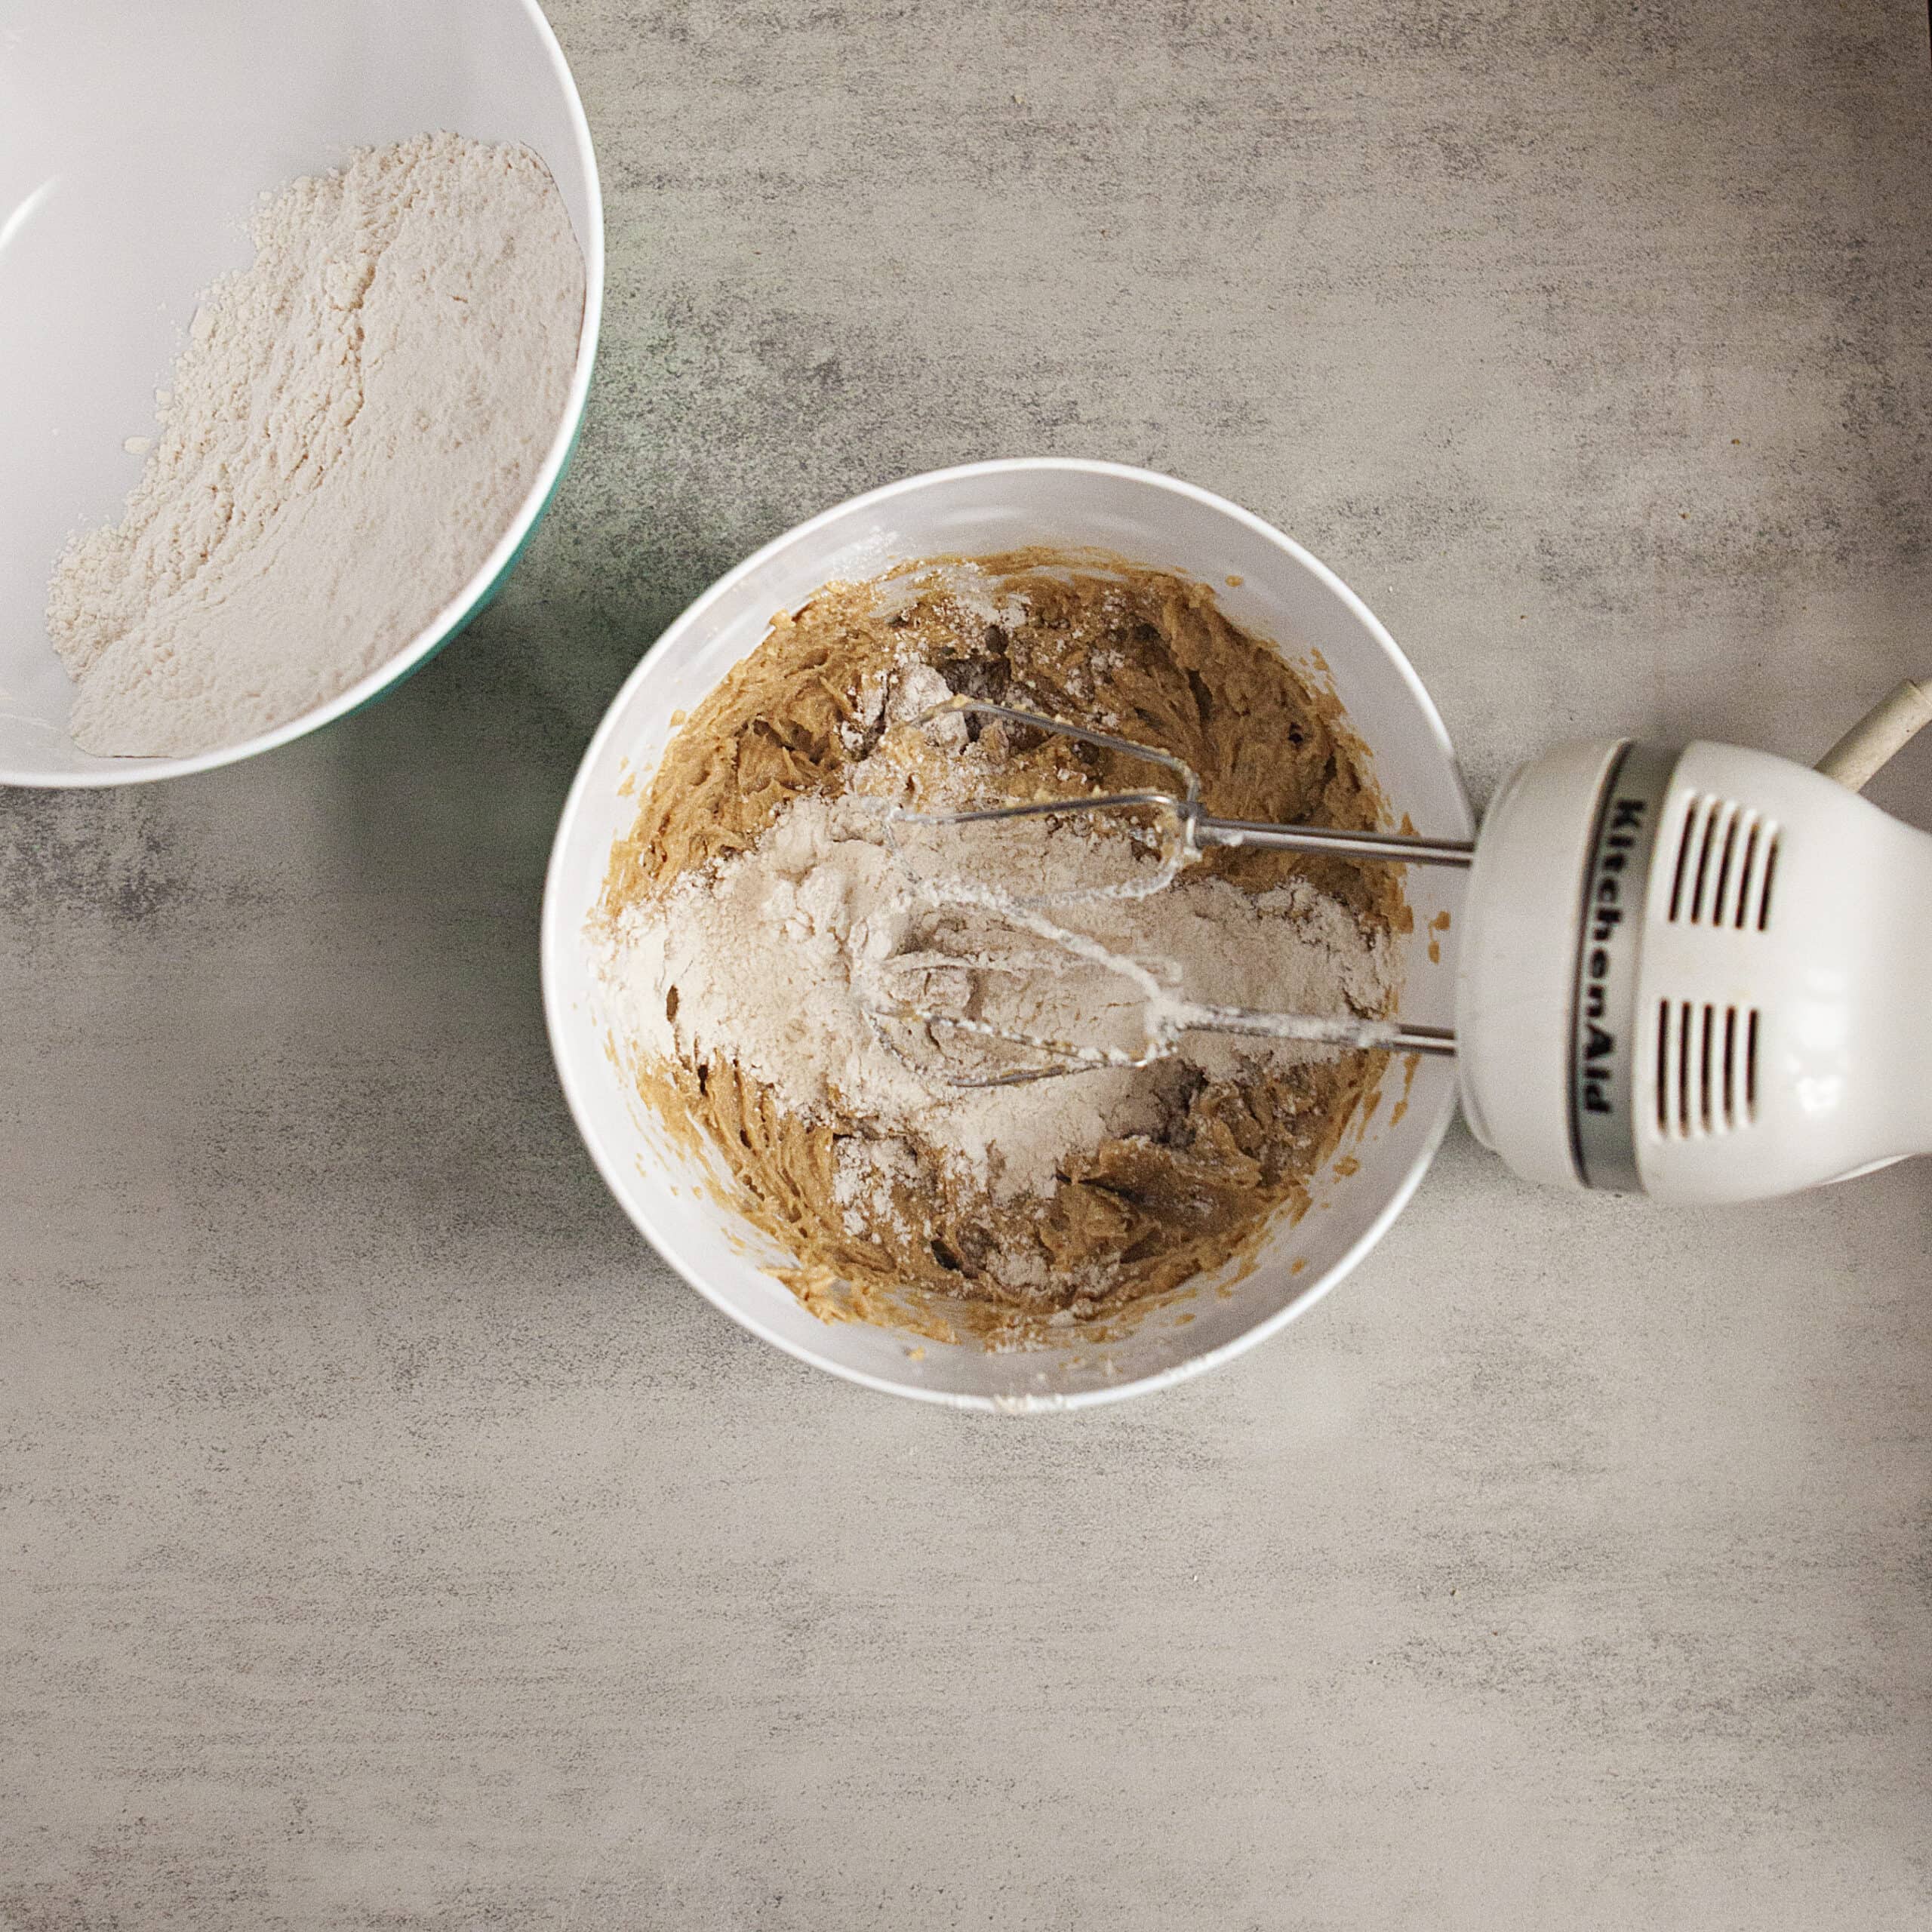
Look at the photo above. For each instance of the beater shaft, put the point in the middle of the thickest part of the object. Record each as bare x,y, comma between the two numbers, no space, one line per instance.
1403,847
1199,826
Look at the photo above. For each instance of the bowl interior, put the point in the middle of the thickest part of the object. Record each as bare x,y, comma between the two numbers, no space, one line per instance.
1283,595
134,141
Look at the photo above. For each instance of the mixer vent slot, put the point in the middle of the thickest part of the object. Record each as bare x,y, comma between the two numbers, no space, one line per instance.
1727,862
1707,1069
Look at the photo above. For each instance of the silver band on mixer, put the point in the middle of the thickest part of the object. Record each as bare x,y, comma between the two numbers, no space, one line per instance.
1604,1023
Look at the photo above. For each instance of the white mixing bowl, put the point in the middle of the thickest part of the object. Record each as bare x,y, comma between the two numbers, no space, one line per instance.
1284,594
134,141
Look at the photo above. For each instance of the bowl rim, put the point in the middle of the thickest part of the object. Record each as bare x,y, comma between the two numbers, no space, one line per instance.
554,934
484,582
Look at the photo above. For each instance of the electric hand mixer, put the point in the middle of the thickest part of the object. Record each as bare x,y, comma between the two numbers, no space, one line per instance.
1696,974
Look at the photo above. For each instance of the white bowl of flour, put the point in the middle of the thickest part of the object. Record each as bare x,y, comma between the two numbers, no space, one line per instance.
301,303
1264,583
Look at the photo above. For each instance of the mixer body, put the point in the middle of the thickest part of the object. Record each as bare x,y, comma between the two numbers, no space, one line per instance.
1699,975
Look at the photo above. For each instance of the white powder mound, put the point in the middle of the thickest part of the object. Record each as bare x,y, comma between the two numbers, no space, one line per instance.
772,959
355,418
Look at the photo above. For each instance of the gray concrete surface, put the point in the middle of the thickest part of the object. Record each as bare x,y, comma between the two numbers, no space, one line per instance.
388,1541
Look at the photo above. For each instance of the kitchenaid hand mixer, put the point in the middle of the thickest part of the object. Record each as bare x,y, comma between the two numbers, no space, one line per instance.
1696,974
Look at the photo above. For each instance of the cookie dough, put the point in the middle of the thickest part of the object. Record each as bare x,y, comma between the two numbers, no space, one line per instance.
1148,655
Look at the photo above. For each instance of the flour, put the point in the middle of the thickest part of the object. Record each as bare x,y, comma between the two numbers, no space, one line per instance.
783,957
353,423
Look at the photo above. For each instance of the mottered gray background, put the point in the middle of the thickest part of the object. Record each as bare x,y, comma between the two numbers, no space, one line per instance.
387,1540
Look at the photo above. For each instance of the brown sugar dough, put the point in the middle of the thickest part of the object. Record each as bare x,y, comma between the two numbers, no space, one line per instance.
1150,656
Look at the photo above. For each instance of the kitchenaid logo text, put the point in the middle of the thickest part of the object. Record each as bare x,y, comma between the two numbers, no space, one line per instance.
1603,917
